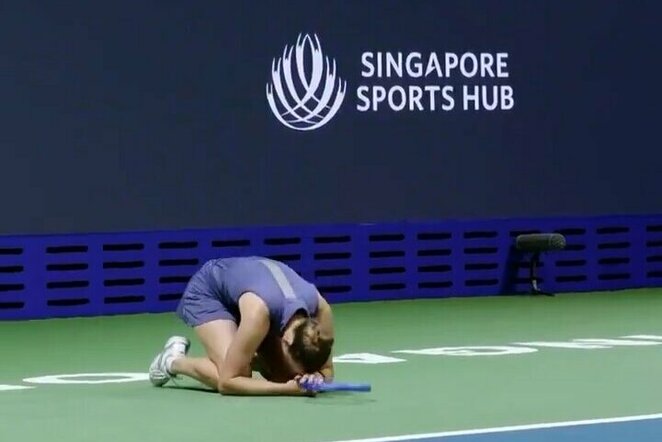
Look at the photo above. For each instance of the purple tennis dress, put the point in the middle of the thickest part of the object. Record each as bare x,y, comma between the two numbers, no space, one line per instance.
214,291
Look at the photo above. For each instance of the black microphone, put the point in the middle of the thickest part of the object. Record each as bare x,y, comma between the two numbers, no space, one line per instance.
540,242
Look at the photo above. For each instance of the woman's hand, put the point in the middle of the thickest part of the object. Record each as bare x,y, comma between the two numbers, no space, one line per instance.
295,388
310,382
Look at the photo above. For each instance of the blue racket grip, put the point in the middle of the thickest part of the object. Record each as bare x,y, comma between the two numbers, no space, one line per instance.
337,386
345,386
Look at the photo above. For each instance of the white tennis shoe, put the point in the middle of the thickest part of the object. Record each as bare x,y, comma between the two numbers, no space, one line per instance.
175,347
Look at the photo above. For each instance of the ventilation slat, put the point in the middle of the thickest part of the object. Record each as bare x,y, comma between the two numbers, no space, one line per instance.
332,255
67,267
388,286
179,262
571,278
434,236
123,264
285,257
120,282
435,285
480,235
333,272
125,299
334,289
340,239
575,247
67,284
11,305
614,261
11,251
571,263
178,245
383,237
434,252
481,282
480,250
387,254
386,270
174,279
128,247
481,266
614,245
435,268
11,287
73,302
614,276
66,249
227,243
612,230
282,241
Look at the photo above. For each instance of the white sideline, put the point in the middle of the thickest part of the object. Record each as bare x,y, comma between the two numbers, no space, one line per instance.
610,420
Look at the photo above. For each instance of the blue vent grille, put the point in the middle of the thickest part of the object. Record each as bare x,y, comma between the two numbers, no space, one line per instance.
99,274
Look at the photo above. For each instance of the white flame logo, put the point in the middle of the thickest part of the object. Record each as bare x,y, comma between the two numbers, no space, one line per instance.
318,97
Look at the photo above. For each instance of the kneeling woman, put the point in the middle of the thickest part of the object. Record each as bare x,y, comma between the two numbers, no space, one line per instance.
251,313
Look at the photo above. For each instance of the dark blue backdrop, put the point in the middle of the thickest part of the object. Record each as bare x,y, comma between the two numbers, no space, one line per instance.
146,115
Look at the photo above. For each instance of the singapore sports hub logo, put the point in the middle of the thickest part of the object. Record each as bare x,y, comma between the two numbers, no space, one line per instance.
305,92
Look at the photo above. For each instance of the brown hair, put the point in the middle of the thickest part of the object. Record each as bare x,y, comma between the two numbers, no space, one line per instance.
308,347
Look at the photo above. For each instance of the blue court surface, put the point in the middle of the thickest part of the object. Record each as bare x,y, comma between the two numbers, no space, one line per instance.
645,428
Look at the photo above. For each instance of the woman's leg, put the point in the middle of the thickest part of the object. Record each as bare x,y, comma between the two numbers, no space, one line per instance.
202,370
216,337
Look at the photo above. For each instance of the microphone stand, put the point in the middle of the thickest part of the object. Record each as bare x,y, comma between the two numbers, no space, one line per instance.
533,265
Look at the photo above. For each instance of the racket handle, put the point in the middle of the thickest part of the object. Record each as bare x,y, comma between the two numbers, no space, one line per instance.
337,386
346,386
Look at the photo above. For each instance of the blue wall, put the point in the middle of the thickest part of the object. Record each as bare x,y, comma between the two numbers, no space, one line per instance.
135,115
71,275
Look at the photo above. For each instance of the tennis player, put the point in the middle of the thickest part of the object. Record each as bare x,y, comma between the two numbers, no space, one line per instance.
251,313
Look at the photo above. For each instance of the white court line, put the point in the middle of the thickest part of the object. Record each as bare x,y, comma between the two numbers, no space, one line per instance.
4,387
611,420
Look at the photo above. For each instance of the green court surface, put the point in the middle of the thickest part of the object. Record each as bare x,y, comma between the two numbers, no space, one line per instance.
425,393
